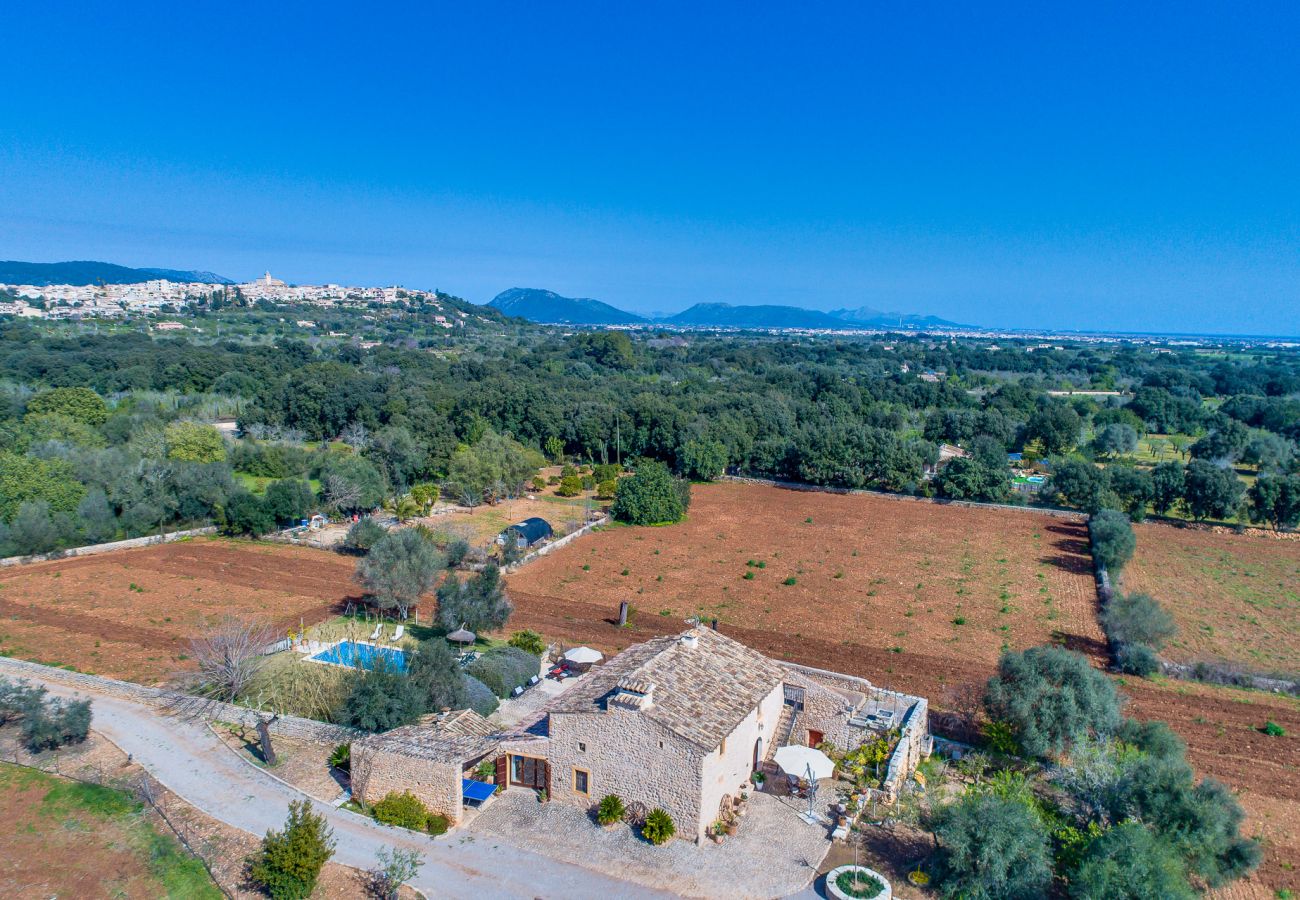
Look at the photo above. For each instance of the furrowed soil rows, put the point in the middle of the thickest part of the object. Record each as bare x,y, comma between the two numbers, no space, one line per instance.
899,558
1235,597
131,614
926,585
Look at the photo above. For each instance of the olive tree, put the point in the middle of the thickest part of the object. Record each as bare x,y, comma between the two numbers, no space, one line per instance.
1051,698
1113,540
991,848
401,567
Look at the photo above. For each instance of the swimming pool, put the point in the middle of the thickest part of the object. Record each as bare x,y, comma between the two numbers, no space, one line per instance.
354,653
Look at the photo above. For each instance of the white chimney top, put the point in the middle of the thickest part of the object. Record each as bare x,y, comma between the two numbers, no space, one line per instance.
690,641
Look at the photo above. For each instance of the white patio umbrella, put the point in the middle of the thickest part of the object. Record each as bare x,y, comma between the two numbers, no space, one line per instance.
584,656
804,762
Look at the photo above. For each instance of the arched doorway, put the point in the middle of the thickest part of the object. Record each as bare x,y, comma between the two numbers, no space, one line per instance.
758,752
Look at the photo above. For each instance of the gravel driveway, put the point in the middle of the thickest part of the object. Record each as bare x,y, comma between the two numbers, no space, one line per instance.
194,764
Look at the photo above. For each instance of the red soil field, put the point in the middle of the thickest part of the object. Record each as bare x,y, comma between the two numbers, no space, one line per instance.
132,613
1235,597
896,586
919,557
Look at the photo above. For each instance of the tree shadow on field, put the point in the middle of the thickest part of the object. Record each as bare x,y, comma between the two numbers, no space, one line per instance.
1075,565
1088,646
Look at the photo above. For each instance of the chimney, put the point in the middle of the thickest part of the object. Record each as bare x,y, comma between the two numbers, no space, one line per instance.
715,624
690,641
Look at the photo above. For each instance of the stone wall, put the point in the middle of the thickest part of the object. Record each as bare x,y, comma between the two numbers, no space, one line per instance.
92,549
628,755
1072,515
169,702
378,772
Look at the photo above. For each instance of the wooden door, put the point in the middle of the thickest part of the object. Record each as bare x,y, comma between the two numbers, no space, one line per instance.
815,737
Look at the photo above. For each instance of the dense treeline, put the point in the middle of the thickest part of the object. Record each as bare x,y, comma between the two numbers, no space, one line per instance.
477,414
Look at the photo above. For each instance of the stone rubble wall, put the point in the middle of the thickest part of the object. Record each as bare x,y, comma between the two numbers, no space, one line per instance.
376,773
175,703
110,547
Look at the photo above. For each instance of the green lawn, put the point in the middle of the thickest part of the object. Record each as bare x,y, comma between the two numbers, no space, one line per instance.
257,483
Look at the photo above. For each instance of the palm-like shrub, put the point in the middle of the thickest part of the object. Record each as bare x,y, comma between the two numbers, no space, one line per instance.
611,809
659,827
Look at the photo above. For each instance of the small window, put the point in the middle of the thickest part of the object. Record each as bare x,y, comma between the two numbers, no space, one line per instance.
722,749
661,745
580,781
582,748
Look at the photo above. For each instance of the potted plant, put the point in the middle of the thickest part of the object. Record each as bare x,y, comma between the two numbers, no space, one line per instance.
717,832
758,779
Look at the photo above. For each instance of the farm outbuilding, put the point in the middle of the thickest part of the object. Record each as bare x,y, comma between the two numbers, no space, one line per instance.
528,532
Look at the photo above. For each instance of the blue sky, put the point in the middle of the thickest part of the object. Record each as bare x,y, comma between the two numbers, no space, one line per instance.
1092,166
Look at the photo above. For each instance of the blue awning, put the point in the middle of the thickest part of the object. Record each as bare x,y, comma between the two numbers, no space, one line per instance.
478,791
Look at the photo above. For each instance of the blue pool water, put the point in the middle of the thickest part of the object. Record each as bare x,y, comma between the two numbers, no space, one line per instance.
353,653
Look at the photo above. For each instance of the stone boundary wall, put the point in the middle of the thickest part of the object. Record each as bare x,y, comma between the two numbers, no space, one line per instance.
1207,673
1067,514
169,702
558,543
92,549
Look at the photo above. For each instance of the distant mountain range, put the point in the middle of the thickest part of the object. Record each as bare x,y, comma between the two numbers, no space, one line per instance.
83,272
539,305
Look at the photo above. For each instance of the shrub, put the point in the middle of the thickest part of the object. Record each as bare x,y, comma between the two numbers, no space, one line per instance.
611,809
790,581
1136,659
1113,540
437,824
363,535
478,696
1051,698
569,487
18,698
503,669
659,827
57,723
1129,862
539,483
859,884
652,496
395,867
529,642
605,490
991,846
341,758
1138,619
1272,729
289,861
404,810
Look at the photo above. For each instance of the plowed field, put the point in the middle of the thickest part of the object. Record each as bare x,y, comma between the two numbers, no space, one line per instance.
132,613
1235,597
909,571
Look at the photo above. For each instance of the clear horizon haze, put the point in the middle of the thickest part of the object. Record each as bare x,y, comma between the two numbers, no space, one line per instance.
1127,167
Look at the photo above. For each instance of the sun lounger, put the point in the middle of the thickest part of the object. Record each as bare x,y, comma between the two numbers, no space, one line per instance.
398,632
379,629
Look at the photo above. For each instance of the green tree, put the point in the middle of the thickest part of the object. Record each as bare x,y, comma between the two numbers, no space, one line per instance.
381,700
1275,499
528,641
290,860
351,483
651,496
972,479
1211,492
247,514
1115,440
478,603
24,478
33,530
1138,619
1081,485
363,534
496,467
289,499
1113,540
401,567
40,427
702,460
432,668
95,517
194,442
1052,698
1055,425
991,848
1134,489
1168,483
79,403
1129,862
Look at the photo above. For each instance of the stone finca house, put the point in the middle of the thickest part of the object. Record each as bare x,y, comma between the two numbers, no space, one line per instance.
678,722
